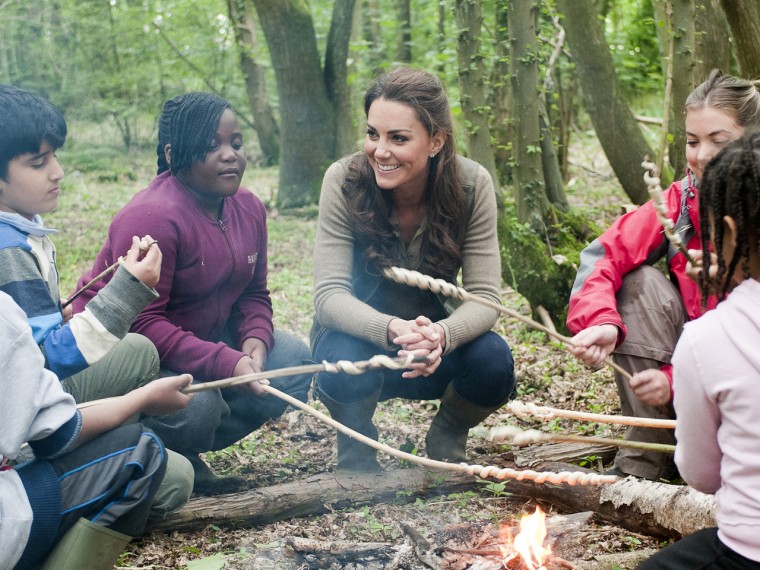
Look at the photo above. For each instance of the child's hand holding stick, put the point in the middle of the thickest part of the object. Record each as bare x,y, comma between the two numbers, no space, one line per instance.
146,268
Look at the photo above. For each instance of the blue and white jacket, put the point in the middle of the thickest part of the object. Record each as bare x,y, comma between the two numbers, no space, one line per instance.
28,274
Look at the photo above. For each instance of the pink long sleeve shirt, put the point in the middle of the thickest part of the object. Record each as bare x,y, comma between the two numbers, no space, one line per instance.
717,394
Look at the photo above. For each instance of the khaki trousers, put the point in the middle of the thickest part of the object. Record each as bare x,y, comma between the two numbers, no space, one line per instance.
653,313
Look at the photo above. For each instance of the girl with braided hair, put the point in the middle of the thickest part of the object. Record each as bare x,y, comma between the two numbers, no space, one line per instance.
213,317
716,368
621,305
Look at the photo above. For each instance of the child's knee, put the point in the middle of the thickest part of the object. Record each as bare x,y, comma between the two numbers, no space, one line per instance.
143,354
175,488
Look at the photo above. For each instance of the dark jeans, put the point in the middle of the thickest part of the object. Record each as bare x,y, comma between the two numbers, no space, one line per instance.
110,481
701,550
482,372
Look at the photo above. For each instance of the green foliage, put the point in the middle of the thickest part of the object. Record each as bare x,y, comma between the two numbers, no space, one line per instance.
632,37
542,268
494,489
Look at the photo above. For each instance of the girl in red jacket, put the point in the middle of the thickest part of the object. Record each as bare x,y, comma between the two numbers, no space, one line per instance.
621,305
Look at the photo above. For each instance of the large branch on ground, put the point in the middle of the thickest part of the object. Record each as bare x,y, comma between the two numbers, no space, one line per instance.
655,509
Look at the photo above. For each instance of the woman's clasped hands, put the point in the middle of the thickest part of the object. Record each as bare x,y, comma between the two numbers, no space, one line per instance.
422,338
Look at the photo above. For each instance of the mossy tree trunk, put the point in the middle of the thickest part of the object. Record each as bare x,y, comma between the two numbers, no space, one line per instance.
336,74
527,173
404,50
683,81
502,132
473,85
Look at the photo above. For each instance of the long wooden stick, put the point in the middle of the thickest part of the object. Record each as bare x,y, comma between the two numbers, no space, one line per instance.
417,279
569,477
516,436
144,246
346,366
110,269
522,410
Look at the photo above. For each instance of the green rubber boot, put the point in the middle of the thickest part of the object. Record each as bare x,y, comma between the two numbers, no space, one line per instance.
354,455
87,545
446,439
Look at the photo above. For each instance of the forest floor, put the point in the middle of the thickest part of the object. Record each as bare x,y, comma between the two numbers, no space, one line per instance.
297,446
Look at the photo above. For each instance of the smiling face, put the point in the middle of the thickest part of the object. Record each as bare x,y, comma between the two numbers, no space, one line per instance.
399,147
708,130
32,185
220,172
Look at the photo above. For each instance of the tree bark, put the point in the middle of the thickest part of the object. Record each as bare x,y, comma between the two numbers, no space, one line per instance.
502,128
473,85
712,39
527,172
614,122
683,81
307,117
336,74
265,123
404,49
744,20
655,509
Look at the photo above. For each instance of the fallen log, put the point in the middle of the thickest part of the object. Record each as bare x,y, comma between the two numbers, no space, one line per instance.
655,509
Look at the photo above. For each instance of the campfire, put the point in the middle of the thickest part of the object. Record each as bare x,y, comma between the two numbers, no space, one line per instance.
525,544
526,550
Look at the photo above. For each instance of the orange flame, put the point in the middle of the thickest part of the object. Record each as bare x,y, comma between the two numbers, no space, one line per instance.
528,545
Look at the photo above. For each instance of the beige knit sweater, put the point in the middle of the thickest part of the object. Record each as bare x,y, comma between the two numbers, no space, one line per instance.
338,308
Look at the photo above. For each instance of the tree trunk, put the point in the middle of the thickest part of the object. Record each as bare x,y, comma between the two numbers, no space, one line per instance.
501,89
527,172
655,509
371,33
307,117
683,81
744,19
712,39
265,122
336,74
473,85
614,122
404,51
555,187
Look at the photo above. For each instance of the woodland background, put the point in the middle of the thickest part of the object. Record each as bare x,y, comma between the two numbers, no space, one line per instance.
560,100
523,76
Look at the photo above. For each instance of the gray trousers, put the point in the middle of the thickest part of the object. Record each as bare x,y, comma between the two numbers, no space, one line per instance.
110,480
132,363
653,313
216,419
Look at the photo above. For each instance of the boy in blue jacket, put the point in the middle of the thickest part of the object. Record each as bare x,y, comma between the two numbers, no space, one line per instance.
92,353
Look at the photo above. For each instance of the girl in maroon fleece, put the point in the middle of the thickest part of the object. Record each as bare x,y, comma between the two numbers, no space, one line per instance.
213,317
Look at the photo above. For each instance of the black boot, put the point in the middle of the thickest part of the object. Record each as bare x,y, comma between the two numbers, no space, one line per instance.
446,440
353,455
